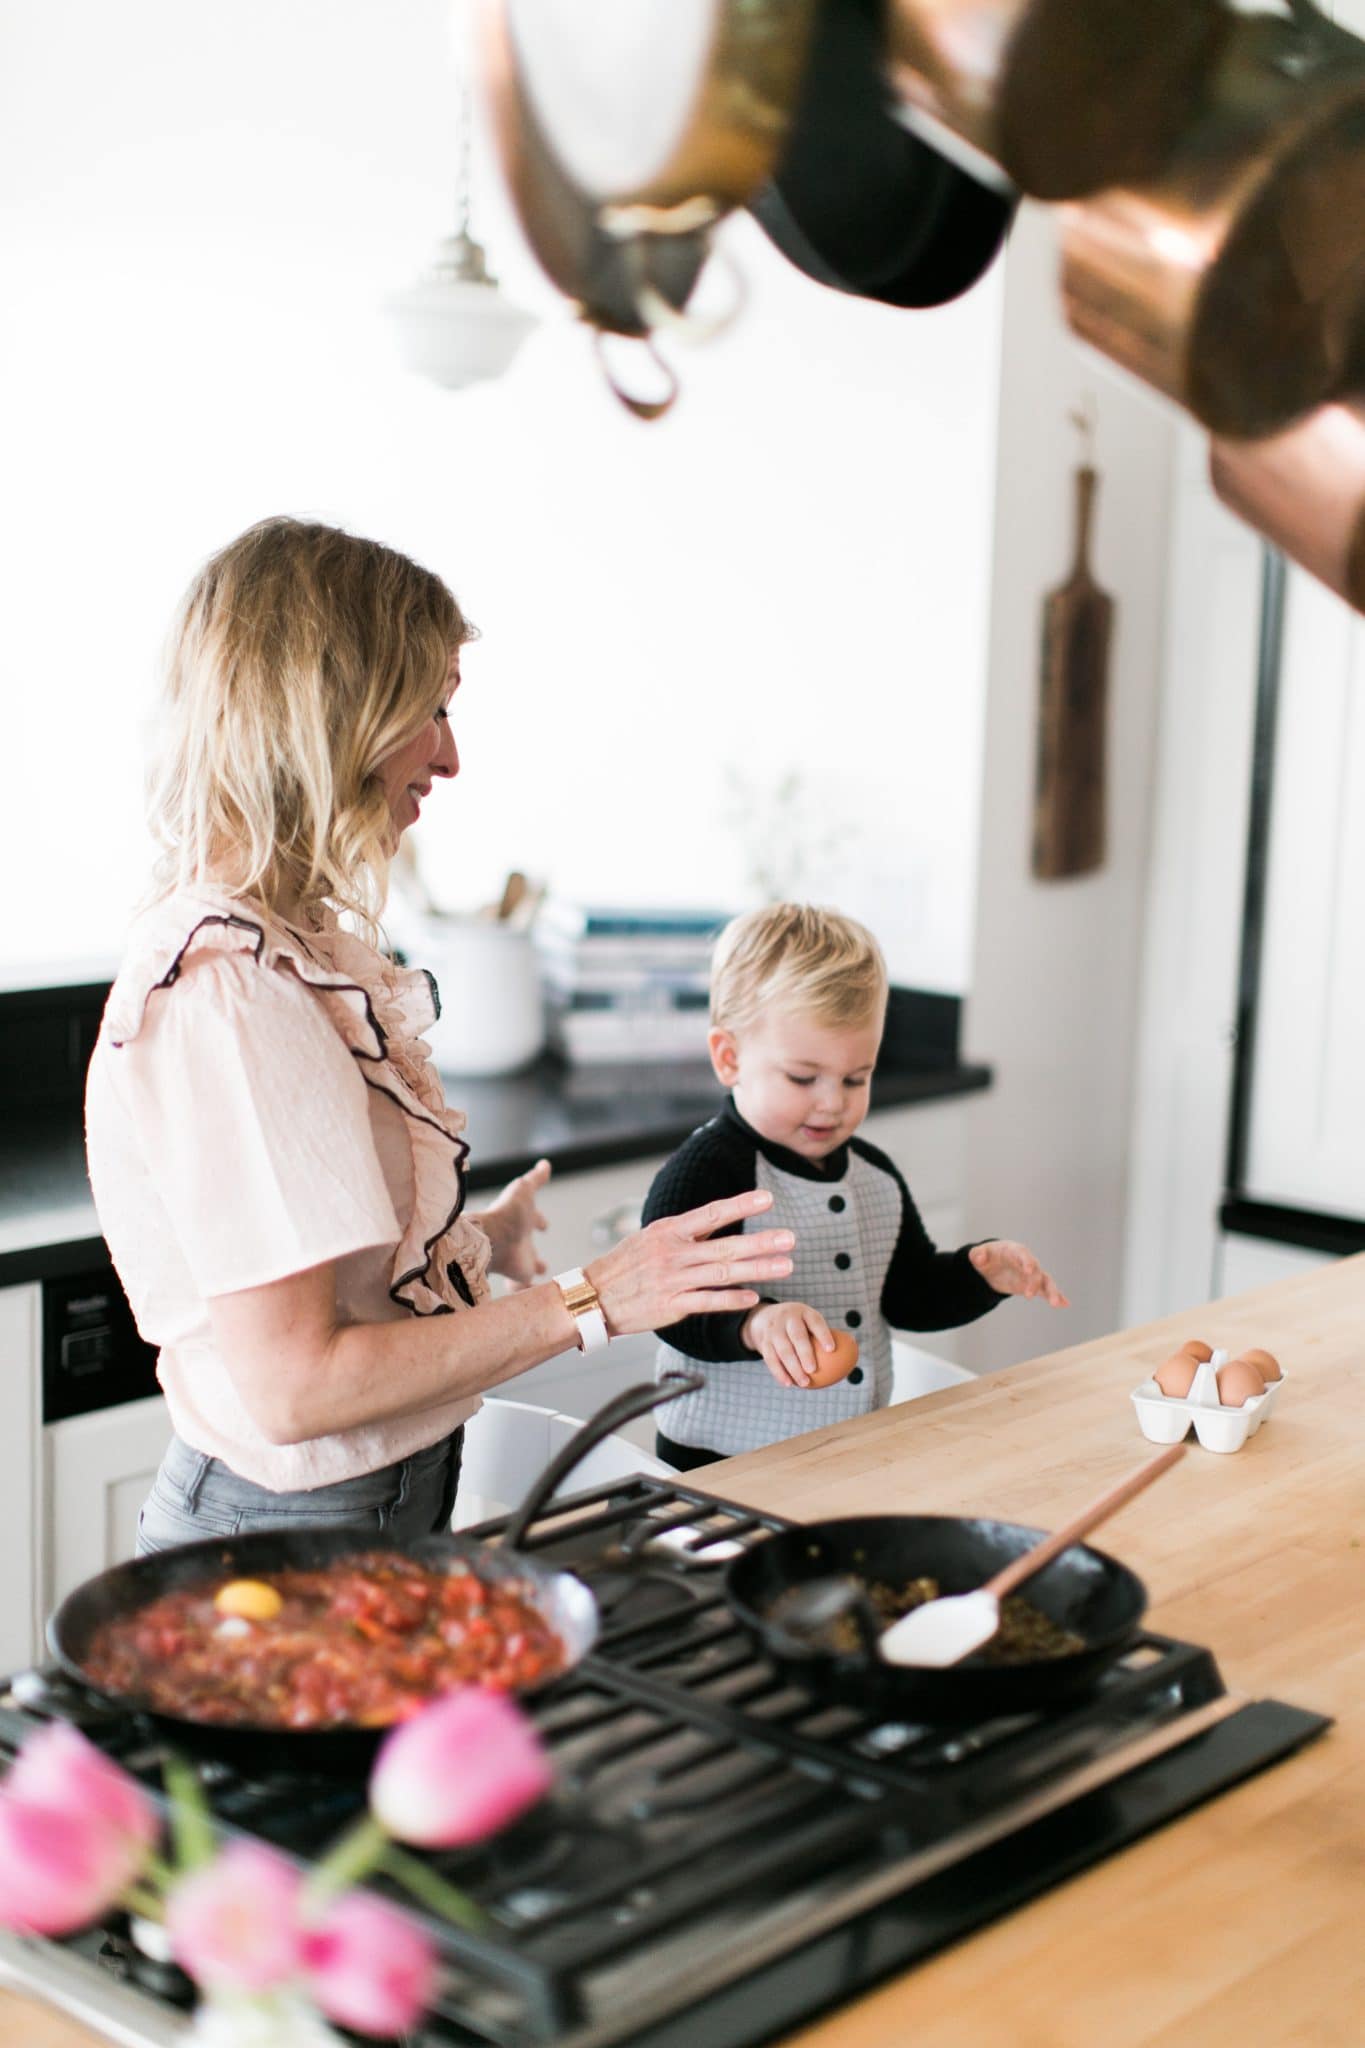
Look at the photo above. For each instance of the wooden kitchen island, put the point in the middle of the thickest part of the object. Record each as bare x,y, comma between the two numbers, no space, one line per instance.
1243,1923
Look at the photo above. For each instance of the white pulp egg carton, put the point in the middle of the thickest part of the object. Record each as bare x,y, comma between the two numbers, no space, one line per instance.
1165,1419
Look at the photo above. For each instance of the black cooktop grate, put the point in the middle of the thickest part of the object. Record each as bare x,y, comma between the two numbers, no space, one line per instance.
722,1841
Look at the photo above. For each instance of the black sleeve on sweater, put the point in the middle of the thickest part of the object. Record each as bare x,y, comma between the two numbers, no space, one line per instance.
712,1164
926,1289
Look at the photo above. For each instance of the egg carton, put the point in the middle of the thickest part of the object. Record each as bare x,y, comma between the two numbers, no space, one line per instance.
1164,1419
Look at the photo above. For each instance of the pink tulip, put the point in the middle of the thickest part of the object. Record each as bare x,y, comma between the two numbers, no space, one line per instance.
369,1967
60,1767
458,1771
234,1924
59,1870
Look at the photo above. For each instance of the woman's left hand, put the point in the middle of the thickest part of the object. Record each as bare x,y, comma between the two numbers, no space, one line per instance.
1011,1268
510,1223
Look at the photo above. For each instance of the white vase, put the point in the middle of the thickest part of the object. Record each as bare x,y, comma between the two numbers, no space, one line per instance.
281,2020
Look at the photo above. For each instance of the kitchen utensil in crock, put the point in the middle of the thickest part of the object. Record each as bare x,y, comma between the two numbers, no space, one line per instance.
1073,704
1066,98
1304,489
858,203
945,1630
1084,1590
559,1596
1234,282
626,134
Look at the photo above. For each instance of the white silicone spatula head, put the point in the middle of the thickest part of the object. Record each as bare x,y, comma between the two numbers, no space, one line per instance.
945,1631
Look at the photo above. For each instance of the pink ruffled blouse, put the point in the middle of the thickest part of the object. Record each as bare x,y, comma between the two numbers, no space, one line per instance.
260,1101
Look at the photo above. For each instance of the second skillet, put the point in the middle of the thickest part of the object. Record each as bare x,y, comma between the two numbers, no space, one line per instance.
1083,1590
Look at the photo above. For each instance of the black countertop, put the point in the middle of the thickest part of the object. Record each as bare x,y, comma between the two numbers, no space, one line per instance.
577,1118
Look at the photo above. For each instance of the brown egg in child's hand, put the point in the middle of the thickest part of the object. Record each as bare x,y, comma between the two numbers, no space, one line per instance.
1238,1383
835,1365
1176,1376
1266,1366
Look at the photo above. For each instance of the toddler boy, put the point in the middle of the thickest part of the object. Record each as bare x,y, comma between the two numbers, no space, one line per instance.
798,1002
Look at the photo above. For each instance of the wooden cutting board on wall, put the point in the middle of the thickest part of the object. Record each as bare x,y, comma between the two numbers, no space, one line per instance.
1073,712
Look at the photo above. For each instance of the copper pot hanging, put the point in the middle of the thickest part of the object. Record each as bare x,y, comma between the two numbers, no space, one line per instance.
1235,282
1067,96
1305,490
621,159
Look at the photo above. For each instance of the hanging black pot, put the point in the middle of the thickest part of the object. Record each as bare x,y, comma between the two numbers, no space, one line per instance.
859,203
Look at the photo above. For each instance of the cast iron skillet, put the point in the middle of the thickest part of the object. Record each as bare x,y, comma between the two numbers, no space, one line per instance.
562,1598
856,201
1083,1589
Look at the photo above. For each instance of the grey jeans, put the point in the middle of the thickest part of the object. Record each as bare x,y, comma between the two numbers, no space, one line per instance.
194,1496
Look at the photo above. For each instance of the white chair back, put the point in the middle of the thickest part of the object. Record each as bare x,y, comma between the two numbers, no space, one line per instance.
915,1372
509,1443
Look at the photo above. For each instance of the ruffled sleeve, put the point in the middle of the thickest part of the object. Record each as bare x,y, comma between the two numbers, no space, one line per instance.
249,1050
254,1127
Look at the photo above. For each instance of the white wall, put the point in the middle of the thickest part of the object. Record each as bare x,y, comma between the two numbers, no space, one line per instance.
1193,909
1056,967
200,206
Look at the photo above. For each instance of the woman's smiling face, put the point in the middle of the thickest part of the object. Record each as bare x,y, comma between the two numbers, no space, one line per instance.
406,775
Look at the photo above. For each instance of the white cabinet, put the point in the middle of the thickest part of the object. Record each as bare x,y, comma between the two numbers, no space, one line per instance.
97,1471
1247,1262
21,1353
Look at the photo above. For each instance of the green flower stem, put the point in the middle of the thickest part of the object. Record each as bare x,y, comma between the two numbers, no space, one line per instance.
191,1820
432,1890
159,1871
139,1900
352,1856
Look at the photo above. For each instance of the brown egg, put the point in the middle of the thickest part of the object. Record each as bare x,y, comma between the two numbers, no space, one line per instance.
1266,1366
1238,1383
1176,1376
836,1364
1198,1351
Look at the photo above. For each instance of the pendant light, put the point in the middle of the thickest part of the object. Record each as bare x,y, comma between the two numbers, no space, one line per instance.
454,325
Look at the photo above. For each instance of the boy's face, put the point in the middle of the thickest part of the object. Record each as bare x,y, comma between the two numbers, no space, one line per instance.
799,1084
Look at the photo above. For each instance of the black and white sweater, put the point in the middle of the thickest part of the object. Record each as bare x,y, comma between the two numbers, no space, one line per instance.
862,1257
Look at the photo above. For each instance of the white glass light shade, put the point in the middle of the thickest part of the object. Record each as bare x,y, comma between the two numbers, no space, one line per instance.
454,325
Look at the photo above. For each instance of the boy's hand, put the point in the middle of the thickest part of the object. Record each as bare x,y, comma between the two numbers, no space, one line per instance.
1012,1269
785,1334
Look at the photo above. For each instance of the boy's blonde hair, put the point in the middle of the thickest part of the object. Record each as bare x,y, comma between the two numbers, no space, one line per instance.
300,657
792,957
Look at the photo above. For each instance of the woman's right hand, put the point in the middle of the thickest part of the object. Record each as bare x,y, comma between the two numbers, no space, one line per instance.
676,1267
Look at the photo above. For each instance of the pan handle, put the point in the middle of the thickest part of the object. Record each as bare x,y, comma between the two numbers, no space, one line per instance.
626,1406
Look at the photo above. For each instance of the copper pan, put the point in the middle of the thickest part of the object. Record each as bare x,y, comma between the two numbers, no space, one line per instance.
1305,490
1067,96
619,217
1235,282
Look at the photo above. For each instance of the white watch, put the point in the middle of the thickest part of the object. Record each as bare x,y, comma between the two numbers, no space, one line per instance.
581,1300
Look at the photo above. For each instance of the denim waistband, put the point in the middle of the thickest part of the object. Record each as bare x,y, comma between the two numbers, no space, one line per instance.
196,1496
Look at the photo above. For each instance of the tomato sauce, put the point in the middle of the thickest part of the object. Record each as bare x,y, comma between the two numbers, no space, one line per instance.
362,1642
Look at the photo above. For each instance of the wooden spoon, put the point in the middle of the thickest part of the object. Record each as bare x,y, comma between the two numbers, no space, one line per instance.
942,1632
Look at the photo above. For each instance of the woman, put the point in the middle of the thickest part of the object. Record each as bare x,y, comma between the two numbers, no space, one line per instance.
277,1175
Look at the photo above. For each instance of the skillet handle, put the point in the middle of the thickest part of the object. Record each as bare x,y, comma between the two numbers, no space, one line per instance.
626,1406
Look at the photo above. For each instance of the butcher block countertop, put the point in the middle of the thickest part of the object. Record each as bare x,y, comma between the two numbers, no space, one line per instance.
1242,1923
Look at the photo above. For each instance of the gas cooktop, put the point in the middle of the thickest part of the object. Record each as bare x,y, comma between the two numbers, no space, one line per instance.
726,1855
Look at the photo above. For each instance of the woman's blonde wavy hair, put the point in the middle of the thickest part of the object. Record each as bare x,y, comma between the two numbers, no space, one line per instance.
299,659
